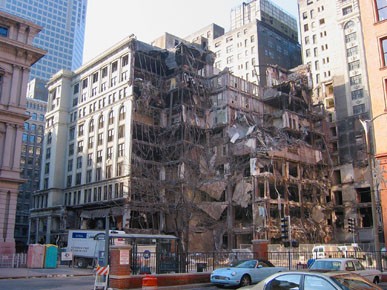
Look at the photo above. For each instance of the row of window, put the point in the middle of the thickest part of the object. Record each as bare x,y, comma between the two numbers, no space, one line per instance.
31,139
34,116
38,107
97,105
99,193
32,127
100,124
99,75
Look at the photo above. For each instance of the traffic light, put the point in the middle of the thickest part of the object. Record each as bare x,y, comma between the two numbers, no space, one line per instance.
285,228
351,225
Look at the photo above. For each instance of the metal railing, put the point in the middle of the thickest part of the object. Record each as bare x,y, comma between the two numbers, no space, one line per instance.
208,261
18,260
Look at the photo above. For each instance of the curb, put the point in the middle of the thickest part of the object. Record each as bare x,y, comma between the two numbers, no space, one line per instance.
45,276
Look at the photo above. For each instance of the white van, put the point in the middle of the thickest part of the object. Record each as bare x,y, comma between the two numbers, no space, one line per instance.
326,251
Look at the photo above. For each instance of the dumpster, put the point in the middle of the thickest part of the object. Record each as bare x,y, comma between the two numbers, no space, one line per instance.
51,258
35,256
200,267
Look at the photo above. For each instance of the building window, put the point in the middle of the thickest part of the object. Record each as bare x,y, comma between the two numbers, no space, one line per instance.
109,153
100,139
72,133
306,27
121,149
383,43
78,179
350,37
80,146
89,176
84,84
354,65
99,156
125,60
90,143
104,72
355,80
111,118
98,176
47,168
110,135
121,131
352,51
80,130
89,159
120,169
79,162
108,171
91,126
95,77
358,94
381,7
100,122
358,109
3,31
71,149
347,10
48,153
114,66
69,180
122,113
70,165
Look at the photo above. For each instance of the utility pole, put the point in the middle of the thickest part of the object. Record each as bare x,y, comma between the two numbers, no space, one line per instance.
107,240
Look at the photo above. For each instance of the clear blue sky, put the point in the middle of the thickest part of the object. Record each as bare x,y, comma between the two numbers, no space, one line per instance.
109,21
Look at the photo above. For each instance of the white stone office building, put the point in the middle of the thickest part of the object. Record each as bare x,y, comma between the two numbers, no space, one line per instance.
85,133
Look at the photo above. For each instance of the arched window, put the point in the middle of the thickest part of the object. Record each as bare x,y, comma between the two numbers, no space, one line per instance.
100,122
349,24
122,113
91,125
111,117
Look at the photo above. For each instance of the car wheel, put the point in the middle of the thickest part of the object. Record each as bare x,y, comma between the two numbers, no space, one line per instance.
81,263
376,280
245,280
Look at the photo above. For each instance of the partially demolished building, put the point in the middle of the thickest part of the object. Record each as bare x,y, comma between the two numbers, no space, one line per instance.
173,147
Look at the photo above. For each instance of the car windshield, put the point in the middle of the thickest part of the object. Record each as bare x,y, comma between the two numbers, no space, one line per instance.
352,283
247,264
325,265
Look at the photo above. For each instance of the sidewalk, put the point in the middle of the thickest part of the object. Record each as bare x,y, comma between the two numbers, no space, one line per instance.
60,271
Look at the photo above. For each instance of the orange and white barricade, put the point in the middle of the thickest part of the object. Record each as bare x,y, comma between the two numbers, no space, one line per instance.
101,277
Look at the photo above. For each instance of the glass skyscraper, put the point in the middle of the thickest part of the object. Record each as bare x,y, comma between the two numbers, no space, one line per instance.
63,23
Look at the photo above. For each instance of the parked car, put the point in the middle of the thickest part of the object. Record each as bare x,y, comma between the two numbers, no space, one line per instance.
245,273
311,280
347,264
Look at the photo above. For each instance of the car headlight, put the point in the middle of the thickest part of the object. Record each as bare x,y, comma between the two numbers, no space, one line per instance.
233,273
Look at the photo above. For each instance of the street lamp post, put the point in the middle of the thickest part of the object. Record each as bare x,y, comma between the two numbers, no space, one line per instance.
375,220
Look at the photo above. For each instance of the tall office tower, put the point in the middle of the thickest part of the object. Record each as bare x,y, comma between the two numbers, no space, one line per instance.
373,19
62,35
30,159
332,45
17,54
261,34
